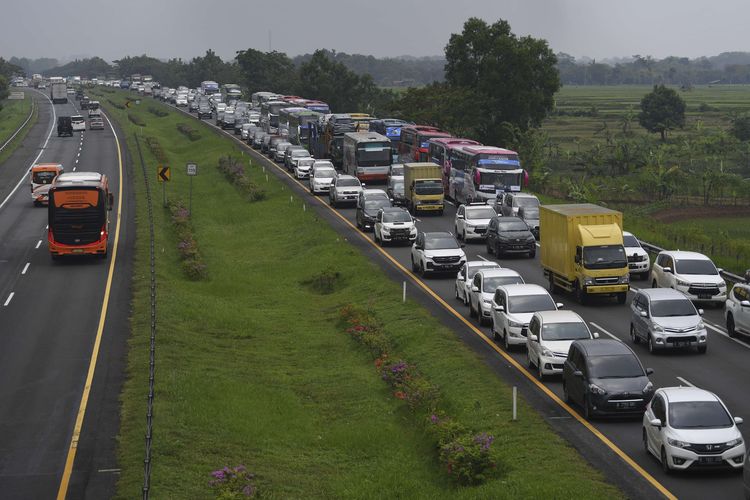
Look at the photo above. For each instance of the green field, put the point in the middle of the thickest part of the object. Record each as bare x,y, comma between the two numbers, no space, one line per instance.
613,102
12,115
253,367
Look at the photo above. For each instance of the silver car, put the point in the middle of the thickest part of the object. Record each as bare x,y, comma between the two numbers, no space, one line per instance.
344,189
664,318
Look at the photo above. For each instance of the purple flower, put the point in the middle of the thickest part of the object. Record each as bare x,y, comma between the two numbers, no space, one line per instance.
218,474
434,419
484,440
248,490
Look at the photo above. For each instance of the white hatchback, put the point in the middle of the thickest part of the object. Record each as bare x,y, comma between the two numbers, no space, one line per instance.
483,288
549,339
465,277
690,427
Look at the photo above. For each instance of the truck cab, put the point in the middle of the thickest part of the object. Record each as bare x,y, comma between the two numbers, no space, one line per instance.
423,187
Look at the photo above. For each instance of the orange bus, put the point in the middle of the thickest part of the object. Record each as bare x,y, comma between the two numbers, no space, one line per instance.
79,205
41,177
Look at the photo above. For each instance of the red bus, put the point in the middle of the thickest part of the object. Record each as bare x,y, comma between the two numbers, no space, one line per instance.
439,151
79,205
413,145
479,173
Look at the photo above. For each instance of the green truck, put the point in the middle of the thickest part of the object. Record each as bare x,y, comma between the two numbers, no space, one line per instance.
423,187
582,250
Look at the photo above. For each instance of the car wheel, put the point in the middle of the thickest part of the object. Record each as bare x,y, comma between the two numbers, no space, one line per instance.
497,249
539,371
414,267
664,463
645,441
532,254
495,335
463,235
581,296
457,296
472,314
586,408
634,335
490,251
552,287
506,341
702,349
482,319
528,360
654,285
622,297
651,348
455,231
566,396
730,326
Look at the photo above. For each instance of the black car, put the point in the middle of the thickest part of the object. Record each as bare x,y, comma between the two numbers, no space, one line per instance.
204,111
506,235
605,377
64,126
368,206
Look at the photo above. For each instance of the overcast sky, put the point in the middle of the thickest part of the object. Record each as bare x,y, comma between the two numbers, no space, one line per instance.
187,28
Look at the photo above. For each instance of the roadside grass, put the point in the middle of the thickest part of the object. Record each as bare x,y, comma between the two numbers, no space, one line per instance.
253,368
613,102
13,114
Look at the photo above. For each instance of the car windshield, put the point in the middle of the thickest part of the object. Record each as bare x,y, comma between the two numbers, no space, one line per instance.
325,163
492,282
699,415
398,188
347,182
512,226
299,153
304,162
440,243
695,266
628,240
565,331
527,202
604,257
428,187
325,173
530,303
616,366
397,217
377,204
530,213
480,213
397,171
672,307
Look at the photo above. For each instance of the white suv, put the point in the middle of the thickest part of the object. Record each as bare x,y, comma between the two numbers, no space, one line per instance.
483,287
436,252
344,189
472,220
394,225
737,310
691,273
638,261
512,309
321,179
549,339
687,427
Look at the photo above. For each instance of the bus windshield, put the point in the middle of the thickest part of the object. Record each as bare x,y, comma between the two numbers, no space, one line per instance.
373,154
499,180
44,177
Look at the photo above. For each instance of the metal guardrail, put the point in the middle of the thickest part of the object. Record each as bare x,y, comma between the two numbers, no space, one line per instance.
730,277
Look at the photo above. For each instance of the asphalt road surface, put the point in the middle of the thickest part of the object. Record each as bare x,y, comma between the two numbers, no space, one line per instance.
723,369
49,318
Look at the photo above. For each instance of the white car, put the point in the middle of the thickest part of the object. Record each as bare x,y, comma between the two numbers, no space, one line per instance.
321,179
181,100
394,225
297,155
483,288
512,309
549,338
302,168
436,252
472,221
344,189
691,273
690,427
737,310
78,122
638,261
465,277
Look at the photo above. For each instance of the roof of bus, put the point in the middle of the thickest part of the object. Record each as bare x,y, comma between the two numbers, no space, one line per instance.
360,115
78,179
487,150
43,167
292,110
422,128
454,141
305,112
393,121
315,101
367,137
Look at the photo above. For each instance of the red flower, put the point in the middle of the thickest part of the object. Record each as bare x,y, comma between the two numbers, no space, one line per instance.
399,395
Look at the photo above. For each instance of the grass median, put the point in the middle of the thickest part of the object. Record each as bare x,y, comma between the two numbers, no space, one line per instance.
12,115
253,367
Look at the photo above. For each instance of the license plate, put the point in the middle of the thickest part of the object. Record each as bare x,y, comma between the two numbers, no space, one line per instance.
710,460
681,344
78,250
626,404
704,296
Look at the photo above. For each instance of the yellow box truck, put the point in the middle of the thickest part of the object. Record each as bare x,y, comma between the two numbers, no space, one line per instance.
423,187
582,251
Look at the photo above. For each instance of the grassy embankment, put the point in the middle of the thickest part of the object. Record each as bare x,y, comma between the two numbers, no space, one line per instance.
252,367
13,114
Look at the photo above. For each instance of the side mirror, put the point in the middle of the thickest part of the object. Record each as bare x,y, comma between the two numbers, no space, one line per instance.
460,217
559,305
700,312
533,338
666,269
738,420
595,335
577,259
578,373
745,303
644,314
474,288
655,422
720,270
499,308
649,371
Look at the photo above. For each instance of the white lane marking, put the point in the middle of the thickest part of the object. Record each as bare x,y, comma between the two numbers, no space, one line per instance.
46,227
79,153
10,297
538,245
26,268
685,381
74,169
449,202
38,244
483,258
23,177
603,330
726,335
109,470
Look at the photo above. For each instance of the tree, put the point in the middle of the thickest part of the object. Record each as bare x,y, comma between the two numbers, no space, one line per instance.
662,110
514,78
741,127
267,71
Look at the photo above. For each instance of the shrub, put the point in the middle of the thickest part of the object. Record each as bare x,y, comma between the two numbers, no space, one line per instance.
192,262
155,147
233,482
157,111
136,120
188,131
325,282
234,171
116,104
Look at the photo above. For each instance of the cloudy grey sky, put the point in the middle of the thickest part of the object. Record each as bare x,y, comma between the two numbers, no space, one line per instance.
186,28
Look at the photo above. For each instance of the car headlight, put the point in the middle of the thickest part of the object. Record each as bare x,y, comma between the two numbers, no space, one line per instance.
700,326
487,302
682,283
588,281
547,352
625,279
723,285
734,442
385,230
657,329
515,324
648,388
677,443
413,230
597,390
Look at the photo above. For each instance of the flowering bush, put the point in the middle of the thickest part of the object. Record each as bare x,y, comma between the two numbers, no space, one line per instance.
188,131
234,171
192,262
233,483
465,455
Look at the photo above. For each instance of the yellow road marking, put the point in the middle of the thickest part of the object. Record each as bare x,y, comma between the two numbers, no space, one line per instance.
604,439
68,470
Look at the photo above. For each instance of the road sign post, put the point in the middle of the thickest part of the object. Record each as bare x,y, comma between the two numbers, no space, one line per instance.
192,171
163,175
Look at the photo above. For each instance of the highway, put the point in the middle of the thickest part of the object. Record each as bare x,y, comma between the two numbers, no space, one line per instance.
721,370
54,319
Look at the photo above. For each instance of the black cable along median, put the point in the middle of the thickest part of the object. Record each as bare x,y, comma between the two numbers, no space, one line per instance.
151,364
